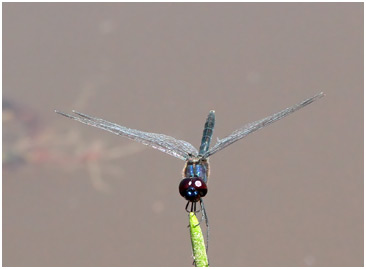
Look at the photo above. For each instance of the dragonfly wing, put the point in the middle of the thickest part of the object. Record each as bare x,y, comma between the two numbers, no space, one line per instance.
254,126
167,144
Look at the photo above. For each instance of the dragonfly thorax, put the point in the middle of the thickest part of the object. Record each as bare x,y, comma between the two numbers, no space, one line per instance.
196,167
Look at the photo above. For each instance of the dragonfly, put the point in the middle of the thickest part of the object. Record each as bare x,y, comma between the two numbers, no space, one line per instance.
193,186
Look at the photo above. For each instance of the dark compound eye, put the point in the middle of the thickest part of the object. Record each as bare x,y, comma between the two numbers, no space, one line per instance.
192,188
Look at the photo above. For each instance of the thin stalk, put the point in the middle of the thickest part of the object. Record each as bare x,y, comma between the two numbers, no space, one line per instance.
198,242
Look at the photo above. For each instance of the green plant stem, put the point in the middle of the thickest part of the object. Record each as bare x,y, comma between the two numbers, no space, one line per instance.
198,242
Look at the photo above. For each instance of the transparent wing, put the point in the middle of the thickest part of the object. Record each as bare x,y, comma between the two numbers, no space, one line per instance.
167,144
254,126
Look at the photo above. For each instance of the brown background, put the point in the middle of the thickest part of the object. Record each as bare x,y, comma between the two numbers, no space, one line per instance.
288,195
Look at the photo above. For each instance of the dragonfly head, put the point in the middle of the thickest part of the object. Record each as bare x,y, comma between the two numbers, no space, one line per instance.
192,188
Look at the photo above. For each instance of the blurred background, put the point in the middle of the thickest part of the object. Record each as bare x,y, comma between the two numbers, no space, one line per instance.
288,195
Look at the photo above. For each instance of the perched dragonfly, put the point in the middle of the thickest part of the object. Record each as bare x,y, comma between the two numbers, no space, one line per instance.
193,186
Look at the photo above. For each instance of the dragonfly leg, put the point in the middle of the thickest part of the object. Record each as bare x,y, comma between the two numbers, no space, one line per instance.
187,206
193,207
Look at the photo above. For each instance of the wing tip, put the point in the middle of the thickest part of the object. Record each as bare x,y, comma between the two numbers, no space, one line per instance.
64,114
59,112
320,95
